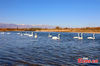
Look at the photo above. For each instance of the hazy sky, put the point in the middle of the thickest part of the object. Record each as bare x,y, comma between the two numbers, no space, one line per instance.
74,13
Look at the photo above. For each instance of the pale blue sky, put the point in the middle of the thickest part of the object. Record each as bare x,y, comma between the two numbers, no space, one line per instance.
73,13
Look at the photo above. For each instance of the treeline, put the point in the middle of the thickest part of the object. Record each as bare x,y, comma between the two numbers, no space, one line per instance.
32,29
57,28
19,29
11,29
84,28
91,28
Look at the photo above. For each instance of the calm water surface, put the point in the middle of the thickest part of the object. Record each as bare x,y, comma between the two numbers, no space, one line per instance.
24,50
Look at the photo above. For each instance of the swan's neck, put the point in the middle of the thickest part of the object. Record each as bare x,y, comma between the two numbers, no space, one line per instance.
81,34
78,34
93,35
59,36
32,33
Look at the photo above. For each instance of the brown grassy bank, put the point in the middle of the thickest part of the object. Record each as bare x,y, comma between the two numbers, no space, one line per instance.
11,29
85,30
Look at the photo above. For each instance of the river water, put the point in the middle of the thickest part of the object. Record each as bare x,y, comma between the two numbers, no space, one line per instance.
24,50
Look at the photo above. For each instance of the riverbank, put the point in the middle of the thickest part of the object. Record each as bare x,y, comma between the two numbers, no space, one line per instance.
69,31
75,30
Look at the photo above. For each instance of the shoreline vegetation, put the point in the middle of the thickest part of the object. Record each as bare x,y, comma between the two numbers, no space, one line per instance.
57,29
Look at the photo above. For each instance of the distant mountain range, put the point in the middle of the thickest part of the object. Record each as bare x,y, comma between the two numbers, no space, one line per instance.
6,25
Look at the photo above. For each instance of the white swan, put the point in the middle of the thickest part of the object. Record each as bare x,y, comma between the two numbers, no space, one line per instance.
56,38
81,37
2,32
21,34
35,35
49,35
91,37
76,36
8,33
30,35
18,33
26,34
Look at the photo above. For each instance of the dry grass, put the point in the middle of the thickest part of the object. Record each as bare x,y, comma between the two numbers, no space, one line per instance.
85,30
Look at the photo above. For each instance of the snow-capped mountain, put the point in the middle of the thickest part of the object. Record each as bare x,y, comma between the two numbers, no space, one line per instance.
6,25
